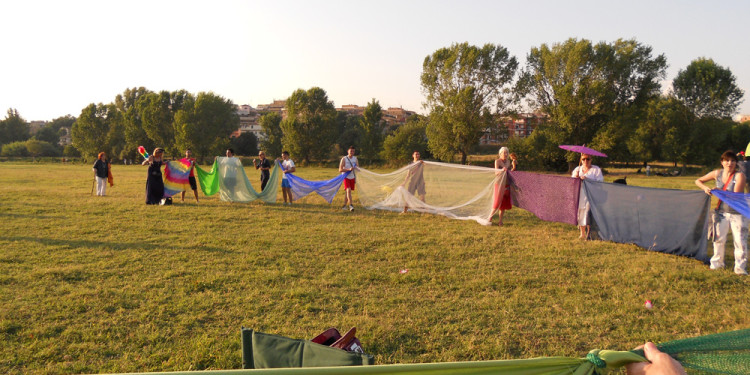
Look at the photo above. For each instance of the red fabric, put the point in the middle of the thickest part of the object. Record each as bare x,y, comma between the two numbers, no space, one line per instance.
188,161
349,183
504,203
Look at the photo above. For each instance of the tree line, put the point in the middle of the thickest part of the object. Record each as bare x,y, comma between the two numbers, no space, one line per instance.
606,95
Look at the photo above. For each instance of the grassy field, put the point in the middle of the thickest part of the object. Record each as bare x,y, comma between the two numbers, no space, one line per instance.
107,284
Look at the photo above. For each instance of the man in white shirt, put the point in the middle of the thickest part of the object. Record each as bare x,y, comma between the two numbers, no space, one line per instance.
348,164
287,165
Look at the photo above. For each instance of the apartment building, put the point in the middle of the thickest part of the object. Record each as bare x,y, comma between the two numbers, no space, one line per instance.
519,126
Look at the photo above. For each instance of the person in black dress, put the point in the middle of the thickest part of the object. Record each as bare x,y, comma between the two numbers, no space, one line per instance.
154,181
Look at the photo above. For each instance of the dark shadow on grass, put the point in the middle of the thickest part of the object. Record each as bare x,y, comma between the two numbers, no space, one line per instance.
25,216
74,244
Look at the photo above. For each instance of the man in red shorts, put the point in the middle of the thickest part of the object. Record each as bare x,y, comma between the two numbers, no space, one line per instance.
349,163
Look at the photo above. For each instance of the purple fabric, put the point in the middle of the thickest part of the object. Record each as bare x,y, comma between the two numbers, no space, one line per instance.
550,198
583,150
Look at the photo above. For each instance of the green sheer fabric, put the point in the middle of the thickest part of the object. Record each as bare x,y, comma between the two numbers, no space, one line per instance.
723,353
227,177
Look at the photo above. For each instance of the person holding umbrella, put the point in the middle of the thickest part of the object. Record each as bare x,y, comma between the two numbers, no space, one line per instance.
586,171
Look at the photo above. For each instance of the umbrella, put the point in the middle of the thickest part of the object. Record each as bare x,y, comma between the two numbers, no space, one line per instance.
583,150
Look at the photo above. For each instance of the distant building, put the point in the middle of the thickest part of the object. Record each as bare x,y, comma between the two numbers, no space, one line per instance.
65,138
744,118
278,106
352,109
518,126
34,126
249,118
393,116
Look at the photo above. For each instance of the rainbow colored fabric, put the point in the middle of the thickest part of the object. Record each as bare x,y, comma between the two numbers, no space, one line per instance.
176,174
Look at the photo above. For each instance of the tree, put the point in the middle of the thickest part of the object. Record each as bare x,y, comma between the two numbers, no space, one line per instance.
271,124
347,126
38,148
62,122
156,119
14,128
410,137
462,85
371,127
133,131
590,88
247,144
204,124
708,89
310,126
17,148
48,134
91,132
663,132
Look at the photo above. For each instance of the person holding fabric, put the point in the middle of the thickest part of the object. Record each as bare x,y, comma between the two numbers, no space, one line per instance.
415,178
348,164
102,173
659,363
189,159
501,202
728,178
586,171
229,179
265,166
287,166
154,181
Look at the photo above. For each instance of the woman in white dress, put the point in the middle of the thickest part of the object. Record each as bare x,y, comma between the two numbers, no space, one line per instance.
585,171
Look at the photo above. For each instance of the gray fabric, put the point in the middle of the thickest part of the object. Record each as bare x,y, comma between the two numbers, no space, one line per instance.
664,220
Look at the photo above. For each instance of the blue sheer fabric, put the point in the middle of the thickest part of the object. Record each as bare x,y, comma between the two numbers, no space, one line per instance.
326,189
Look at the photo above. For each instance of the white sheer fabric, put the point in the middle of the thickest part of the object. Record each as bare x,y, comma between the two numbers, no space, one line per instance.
456,191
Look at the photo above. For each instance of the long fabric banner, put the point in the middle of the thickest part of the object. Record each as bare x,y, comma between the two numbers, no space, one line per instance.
326,189
176,174
228,178
665,220
739,201
721,353
550,198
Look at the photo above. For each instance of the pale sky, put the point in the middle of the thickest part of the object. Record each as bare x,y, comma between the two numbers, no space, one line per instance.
60,56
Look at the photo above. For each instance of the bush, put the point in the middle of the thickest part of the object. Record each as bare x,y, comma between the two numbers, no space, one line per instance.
41,148
15,149
71,151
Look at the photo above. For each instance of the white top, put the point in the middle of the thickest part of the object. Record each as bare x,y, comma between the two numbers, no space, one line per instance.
350,162
286,165
593,174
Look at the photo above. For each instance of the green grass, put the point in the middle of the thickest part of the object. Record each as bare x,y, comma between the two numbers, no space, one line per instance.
107,284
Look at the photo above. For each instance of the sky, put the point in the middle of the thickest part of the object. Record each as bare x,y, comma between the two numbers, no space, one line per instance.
60,56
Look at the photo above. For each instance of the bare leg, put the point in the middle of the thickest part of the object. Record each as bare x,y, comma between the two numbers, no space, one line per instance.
501,218
183,195
195,192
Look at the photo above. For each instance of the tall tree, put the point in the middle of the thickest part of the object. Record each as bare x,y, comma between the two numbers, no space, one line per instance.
204,124
91,133
347,128
708,89
589,88
247,145
133,131
62,122
371,127
13,128
310,126
156,118
47,134
271,124
463,84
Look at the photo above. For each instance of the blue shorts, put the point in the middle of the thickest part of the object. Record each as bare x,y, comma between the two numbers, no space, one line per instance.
285,183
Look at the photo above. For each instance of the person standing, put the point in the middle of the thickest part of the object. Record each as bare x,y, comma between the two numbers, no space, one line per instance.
415,178
189,159
501,202
287,166
229,179
265,166
585,171
348,164
154,181
728,178
101,174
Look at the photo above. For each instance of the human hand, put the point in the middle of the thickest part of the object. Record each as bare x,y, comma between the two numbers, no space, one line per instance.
707,190
660,363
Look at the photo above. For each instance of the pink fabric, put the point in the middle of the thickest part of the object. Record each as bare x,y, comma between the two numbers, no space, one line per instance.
549,197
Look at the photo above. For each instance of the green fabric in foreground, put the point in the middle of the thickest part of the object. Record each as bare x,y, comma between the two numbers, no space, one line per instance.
722,353
209,181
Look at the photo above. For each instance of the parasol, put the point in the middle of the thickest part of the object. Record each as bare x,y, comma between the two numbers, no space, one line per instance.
583,150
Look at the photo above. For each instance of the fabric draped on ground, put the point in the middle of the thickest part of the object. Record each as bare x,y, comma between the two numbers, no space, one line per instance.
739,201
228,178
456,191
176,174
550,198
326,189
664,220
